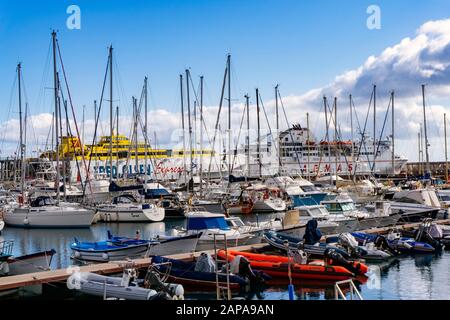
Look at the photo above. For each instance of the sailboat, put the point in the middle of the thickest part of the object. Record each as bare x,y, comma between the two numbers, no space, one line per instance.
44,212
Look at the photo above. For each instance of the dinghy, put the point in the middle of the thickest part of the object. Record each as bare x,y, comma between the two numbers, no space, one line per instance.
121,288
122,248
278,267
395,243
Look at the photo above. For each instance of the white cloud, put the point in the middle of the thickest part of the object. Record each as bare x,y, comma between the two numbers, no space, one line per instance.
403,67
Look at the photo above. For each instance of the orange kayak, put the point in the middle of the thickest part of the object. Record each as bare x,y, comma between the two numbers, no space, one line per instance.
279,266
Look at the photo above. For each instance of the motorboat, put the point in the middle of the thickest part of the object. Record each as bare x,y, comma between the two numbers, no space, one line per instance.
15,265
121,248
214,229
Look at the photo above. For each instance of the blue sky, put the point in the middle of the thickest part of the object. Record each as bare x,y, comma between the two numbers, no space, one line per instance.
299,44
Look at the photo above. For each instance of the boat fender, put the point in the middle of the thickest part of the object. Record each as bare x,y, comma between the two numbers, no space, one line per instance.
77,254
26,221
105,256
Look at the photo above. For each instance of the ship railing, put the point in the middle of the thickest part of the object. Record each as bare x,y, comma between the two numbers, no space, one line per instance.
339,293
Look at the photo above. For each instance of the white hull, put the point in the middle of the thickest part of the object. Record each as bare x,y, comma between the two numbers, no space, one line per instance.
29,264
119,213
50,217
270,205
102,256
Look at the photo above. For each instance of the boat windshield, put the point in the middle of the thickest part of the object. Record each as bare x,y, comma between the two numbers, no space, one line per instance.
202,223
43,201
308,188
348,206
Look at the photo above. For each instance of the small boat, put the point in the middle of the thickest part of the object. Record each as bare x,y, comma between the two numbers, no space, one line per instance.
125,287
125,208
277,240
186,273
395,243
214,226
121,248
278,267
35,262
2,225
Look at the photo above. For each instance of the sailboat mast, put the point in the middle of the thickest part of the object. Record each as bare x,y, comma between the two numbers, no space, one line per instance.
351,135
201,135
446,148
117,134
22,163
327,135
308,169
136,151
374,127
146,127
278,130
182,127
229,114
247,140
393,131
258,149
427,155
55,83
110,111
337,151
189,124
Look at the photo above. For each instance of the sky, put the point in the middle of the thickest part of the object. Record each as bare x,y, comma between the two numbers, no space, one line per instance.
309,48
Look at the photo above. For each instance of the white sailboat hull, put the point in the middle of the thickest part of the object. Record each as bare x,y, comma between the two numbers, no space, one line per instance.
118,213
50,217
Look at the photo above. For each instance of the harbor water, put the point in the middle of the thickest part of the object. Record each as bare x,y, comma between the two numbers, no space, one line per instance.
419,277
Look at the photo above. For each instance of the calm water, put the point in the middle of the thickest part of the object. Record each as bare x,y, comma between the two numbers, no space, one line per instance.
412,277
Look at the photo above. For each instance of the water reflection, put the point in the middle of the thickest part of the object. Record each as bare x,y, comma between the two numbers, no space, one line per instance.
409,277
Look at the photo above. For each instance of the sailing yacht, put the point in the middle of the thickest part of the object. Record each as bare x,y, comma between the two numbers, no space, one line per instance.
44,212
125,208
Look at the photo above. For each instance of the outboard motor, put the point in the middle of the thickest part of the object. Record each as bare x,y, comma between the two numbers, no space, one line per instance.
349,243
332,257
205,263
241,266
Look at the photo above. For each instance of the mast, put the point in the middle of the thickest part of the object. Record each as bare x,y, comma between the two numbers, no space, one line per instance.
22,147
393,131
182,126
229,114
117,134
136,151
421,150
351,135
308,169
337,153
110,111
278,130
327,135
201,136
83,127
258,146
145,128
55,83
427,155
189,124
446,153
419,139
374,127
247,140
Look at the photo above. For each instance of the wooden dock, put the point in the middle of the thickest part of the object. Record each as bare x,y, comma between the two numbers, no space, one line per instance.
38,278
52,276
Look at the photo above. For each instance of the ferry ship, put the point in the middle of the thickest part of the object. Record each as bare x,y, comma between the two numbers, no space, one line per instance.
300,155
